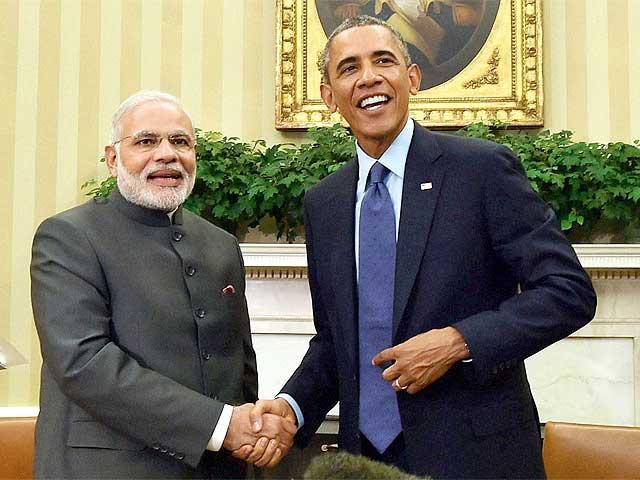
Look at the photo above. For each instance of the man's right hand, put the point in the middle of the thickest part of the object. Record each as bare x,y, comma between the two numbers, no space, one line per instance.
264,453
264,447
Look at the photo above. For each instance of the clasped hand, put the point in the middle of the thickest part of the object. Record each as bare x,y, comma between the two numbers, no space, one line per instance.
260,434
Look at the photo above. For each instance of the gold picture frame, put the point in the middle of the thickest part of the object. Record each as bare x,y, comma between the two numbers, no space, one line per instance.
495,76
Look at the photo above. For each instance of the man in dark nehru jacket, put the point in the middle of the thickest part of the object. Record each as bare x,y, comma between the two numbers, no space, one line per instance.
435,270
141,313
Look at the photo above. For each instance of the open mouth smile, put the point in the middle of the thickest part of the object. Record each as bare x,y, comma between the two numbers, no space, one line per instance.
373,102
165,178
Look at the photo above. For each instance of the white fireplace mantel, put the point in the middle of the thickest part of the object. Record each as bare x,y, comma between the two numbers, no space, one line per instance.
592,256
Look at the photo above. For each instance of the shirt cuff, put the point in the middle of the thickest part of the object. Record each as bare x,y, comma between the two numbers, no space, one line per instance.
294,405
220,432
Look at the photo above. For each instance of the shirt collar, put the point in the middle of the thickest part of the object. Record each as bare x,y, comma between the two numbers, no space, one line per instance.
394,157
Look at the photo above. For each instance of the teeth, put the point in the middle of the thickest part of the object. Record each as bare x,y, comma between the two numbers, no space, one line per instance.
375,99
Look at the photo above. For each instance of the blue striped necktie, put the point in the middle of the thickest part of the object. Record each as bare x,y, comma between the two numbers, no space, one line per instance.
379,414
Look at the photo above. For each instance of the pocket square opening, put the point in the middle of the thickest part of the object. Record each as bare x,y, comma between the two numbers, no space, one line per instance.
229,290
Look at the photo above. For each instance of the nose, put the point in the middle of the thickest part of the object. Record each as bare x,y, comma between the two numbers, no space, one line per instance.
165,152
368,76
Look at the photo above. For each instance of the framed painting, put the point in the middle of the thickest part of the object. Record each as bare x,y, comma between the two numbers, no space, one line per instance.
481,60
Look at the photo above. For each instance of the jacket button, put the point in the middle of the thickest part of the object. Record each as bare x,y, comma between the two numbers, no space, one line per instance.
177,236
206,355
172,454
180,456
191,271
155,446
200,312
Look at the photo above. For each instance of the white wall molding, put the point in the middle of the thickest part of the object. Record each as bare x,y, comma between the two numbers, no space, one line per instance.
274,254
592,256
609,256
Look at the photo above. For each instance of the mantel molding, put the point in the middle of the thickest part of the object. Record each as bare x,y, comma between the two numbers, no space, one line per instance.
609,256
289,261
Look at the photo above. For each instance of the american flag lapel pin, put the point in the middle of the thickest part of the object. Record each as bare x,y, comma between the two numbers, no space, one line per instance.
426,186
229,290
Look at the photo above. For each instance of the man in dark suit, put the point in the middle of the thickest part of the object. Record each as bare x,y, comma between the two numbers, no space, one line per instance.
142,319
434,270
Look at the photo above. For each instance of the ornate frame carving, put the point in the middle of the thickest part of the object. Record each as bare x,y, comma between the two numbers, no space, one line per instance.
502,82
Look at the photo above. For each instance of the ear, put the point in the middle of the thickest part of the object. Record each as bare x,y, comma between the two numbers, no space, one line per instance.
326,92
111,157
415,77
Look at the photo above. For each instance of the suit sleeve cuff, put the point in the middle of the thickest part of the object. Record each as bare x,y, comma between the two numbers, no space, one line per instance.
294,405
220,432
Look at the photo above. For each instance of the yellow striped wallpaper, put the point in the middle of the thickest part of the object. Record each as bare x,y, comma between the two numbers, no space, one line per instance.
66,64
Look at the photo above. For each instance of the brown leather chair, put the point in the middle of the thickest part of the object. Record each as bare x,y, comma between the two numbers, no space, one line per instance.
16,447
579,451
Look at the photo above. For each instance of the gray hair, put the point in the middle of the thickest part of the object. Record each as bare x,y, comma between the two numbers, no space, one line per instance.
359,21
136,100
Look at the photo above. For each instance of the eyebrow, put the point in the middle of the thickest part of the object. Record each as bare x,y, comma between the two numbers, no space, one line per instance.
381,53
345,61
353,58
147,133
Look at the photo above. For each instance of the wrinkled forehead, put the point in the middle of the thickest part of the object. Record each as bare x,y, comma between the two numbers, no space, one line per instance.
362,41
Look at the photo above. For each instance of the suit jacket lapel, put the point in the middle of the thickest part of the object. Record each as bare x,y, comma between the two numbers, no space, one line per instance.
342,207
418,206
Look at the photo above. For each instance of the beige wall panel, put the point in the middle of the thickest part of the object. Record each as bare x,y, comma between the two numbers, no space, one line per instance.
171,46
234,56
597,75
618,70
89,149
47,120
110,60
46,161
192,58
24,180
8,78
212,61
633,60
576,69
252,77
555,64
130,45
68,107
151,49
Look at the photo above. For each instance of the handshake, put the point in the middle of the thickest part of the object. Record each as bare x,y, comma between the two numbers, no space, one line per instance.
261,434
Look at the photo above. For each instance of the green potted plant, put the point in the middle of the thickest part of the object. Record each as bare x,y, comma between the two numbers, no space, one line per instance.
594,188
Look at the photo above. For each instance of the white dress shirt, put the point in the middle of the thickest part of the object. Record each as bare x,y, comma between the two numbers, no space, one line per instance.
395,159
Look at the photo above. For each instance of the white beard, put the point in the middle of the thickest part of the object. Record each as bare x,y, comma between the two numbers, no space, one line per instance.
136,189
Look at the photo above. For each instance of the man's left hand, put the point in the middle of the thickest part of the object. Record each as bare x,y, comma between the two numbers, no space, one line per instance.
422,359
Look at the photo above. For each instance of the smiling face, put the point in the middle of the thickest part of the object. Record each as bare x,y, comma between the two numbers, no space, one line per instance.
155,162
369,84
